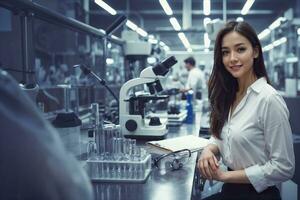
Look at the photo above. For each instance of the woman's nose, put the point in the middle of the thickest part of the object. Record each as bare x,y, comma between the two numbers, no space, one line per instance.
233,57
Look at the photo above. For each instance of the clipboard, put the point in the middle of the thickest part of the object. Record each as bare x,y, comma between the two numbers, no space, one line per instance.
191,142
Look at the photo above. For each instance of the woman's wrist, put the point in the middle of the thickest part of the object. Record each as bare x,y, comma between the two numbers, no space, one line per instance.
213,148
224,177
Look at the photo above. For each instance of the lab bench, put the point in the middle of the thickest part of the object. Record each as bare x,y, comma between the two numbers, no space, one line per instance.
171,185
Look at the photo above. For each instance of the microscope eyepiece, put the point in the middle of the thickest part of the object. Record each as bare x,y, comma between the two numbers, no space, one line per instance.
169,62
163,67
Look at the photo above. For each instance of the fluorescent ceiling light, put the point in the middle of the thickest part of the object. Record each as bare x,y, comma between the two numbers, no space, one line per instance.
115,37
131,25
151,60
166,7
206,7
298,31
279,41
268,47
247,7
106,7
206,40
161,43
239,19
175,24
151,36
141,32
293,59
166,48
109,61
184,40
264,33
152,41
277,23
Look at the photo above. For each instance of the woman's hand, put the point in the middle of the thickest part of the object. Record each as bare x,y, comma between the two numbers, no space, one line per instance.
208,164
219,175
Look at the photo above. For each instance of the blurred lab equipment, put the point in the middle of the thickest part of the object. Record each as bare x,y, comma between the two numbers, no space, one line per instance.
176,115
31,90
189,107
132,105
35,163
86,70
68,125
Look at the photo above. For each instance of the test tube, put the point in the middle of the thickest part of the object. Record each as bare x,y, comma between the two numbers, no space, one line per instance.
118,130
143,153
117,148
126,149
114,147
91,150
120,144
137,153
109,134
129,170
93,169
132,146
100,140
95,114
100,169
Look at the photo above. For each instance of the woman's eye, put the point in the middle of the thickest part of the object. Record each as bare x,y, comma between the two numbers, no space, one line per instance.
241,49
224,53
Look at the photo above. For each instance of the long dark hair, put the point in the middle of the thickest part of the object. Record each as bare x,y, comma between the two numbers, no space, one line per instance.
222,86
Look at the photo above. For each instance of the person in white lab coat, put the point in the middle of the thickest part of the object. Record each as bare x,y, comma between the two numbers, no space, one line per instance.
249,121
195,80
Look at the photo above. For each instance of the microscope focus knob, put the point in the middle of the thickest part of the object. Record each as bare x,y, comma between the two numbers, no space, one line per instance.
131,125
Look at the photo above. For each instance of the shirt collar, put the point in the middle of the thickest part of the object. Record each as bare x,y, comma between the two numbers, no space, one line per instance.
193,69
258,84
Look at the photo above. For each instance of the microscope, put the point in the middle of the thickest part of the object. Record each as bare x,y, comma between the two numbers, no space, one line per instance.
132,117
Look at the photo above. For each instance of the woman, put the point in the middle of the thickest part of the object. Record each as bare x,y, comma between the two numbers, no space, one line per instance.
249,121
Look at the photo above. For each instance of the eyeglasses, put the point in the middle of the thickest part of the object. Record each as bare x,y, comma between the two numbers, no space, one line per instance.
174,160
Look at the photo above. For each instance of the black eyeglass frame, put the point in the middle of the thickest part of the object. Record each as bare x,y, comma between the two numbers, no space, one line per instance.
176,164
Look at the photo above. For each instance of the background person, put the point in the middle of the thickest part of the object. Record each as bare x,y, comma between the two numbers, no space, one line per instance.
195,80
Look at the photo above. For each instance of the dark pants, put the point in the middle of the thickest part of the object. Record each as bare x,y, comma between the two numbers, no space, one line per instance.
232,191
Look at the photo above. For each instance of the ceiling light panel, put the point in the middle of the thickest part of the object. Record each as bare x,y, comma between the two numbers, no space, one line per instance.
131,25
184,40
264,33
175,24
206,7
247,7
141,32
106,7
166,7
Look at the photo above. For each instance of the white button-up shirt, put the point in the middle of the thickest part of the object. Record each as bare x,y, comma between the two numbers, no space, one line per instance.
257,137
195,80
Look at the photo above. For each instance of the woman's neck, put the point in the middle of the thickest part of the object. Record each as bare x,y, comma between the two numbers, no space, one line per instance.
245,82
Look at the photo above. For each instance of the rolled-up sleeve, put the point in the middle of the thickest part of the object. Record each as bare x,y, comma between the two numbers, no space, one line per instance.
278,145
212,140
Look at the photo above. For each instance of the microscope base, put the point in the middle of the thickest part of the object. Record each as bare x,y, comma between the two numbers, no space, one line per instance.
146,137
139,128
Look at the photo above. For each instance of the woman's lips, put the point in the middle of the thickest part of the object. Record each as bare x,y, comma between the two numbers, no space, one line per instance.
235,67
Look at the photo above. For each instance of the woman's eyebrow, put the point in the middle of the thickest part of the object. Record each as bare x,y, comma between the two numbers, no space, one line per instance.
236,45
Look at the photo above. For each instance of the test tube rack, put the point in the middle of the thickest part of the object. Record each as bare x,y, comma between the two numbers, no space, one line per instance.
135,171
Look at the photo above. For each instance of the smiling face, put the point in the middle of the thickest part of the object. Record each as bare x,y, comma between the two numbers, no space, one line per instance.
238,55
